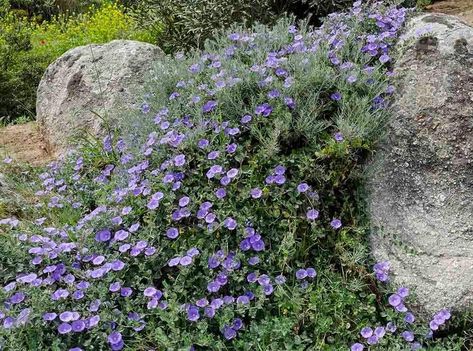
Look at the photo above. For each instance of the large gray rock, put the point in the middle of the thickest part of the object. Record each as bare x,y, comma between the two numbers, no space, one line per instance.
91,80
421,199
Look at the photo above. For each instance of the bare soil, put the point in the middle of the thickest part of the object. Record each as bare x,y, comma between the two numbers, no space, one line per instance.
24,143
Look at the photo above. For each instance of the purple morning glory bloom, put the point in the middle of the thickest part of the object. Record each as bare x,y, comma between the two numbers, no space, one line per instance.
303,187
312,214
220,193
17,298
213,287
246,119
49,316
184,201
338,137
311,272
409,318
237,324
209,106
301,274
115,338
380,332
231,148
203,143
252,261
229,333
185,261
403,292
213,155
103,235
336,223
172,233
408,336
64,328
193,314
336,96
357,347
395,300
256,193
264,110
384,58
78,326
366,332
126,292
268,289
230,223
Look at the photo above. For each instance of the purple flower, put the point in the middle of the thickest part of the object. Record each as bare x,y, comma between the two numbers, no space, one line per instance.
264,110
78,326
336,223
114,338
231,148
256,193
384,58
49,316
311,272
172,233
253,261
395,300
230,223
408,336
391,327
126,292
17,298
180,160
229,333
64,328
220,193
213,155
213,286
103,235
237,324
338,137
357,347
312,214
380,332
409,318
185,261
366,332
193,314
303,187
336,96
209,106
203,143
403,292
246,119
301,274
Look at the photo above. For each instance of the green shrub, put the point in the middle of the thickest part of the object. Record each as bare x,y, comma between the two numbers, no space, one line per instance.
188,23
27,48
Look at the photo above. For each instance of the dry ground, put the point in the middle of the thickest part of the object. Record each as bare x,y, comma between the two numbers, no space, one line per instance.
23,143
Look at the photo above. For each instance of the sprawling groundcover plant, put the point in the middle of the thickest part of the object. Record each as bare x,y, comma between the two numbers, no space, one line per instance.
224,214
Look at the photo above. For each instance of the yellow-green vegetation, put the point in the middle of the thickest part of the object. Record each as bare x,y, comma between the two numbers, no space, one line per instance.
28,46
